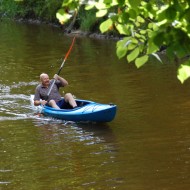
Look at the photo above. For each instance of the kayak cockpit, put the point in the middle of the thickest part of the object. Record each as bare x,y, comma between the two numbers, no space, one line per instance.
80,103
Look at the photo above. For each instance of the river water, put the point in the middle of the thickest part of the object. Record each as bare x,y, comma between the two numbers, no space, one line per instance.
146,146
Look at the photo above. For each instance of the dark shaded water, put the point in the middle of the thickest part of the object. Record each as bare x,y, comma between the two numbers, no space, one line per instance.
147,146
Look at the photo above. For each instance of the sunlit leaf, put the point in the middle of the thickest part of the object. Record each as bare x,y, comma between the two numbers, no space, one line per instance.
140,19
138,35
162,22
62,16
143,31
100,5
123,42
114,2
137,24
150,25
143,3
139,62
135,41
105,26
101,13
183,73
66,2
132,46
122,29
121,52
155,27
88,7
133,55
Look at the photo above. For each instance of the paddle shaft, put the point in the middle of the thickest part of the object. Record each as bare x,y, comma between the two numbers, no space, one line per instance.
61,66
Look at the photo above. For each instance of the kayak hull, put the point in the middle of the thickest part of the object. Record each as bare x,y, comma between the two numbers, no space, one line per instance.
85,111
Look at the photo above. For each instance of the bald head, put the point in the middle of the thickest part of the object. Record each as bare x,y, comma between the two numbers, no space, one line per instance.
43,75
44,78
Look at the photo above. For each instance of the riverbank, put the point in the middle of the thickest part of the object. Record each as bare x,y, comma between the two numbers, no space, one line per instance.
72,32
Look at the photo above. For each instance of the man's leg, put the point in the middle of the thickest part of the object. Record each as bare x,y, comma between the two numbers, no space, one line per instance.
69,98
53,104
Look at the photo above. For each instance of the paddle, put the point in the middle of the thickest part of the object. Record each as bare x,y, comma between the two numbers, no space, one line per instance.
61,67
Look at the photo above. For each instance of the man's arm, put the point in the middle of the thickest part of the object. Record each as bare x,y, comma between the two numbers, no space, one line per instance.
63,82
37,99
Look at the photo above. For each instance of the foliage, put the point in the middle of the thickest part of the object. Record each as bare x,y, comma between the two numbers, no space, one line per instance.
87,20
44,10
8,8
145,26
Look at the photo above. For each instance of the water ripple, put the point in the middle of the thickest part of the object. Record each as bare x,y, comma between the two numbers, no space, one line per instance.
15,106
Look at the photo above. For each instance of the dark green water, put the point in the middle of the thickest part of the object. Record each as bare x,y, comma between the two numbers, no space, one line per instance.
146,147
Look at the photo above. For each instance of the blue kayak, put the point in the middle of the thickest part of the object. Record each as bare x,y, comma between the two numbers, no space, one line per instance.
86,111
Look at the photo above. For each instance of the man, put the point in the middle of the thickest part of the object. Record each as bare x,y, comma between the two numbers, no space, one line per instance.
54,99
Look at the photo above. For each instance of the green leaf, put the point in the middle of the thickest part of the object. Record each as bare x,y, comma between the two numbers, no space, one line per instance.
152,47
183,73
66,2
123,17
105,26
134,40
170,13
122,29
132,13
158,38
139,62
124,42
137,24
133,55
131,46
101,13
62,16
140,19
150,25
114,2
134,3
138,35
153,26
143,31
100,5
88,7
121,52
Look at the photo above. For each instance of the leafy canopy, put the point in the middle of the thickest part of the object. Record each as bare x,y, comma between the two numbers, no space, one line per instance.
146,26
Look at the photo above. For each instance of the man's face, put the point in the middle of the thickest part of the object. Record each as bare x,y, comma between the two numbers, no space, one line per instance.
45,80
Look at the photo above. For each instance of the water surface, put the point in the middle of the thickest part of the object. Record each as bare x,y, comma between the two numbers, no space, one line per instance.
147,146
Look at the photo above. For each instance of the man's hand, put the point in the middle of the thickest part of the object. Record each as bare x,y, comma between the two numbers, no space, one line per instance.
56,77
62,80
39,102
43,102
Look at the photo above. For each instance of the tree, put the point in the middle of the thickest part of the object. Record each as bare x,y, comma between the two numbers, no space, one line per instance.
145,27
